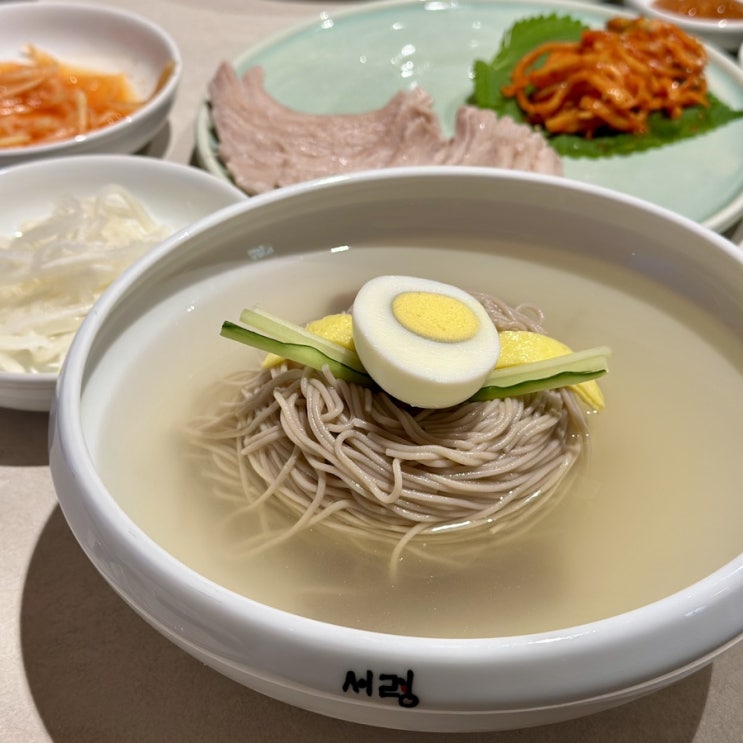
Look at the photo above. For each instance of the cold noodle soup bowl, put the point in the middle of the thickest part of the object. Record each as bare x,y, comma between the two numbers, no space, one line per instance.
626,583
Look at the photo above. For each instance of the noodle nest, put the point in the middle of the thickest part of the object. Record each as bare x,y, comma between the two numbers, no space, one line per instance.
357,460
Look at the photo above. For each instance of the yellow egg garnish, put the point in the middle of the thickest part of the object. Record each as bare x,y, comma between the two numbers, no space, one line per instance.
424,342
444,321
523,347
337,328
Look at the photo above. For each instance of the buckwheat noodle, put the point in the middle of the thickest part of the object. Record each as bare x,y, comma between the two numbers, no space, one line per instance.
357,460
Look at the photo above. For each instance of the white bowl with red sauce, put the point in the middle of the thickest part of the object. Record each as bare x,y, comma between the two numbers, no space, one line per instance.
101,39
722,31
155,334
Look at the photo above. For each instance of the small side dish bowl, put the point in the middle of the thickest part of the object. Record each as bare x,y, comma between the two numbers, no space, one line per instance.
102,39
724,33
605,268
174,195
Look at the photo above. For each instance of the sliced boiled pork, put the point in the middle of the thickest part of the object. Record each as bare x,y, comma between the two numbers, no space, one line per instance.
266,145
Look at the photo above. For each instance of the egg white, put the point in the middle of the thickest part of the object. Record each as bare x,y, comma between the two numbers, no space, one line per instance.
415,369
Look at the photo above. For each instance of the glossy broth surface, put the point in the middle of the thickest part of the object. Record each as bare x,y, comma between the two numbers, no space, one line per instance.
656,507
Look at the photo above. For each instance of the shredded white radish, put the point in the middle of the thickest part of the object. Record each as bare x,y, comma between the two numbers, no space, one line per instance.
53,270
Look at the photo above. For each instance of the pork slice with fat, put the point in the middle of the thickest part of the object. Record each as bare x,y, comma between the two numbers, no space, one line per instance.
265,144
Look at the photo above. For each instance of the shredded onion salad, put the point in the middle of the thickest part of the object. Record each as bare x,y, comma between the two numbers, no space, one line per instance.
52,271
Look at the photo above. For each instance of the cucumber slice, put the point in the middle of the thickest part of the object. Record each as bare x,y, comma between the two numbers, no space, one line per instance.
282,330
561,379
298,352
294,343
590,360
559,371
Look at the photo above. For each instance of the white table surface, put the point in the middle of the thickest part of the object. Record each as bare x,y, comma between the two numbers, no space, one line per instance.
77,665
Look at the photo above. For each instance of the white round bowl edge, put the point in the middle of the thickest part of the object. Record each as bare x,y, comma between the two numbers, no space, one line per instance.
726,34
478,684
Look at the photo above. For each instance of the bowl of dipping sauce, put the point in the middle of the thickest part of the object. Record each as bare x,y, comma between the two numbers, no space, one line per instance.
719,22
82,79
301,528
69,226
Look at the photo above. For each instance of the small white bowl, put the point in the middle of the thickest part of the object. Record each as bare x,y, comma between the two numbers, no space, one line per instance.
99,38
174,194
154,337
727,34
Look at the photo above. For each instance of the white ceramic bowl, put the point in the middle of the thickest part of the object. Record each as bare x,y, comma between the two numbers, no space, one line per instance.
173,194
188,285
726,34
103,38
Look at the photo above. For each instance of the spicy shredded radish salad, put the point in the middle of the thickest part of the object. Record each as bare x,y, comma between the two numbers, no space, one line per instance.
53,270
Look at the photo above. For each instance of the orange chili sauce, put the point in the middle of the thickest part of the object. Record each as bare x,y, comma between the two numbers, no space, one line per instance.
707,9
45,100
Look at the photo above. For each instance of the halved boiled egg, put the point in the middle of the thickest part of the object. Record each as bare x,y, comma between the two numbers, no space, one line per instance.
424,342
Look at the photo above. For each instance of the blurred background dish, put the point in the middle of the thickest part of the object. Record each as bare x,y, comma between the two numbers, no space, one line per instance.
42,292
724,32
99,39
356,60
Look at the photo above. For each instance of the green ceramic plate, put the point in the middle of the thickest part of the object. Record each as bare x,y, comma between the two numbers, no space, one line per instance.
355,60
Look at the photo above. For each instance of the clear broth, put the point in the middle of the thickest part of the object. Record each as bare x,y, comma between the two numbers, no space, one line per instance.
656,507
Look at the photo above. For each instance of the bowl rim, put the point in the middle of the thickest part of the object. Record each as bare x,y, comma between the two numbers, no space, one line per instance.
161,97
731,27
688,605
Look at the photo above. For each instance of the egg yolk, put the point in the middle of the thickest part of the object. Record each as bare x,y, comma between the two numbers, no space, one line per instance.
435,316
